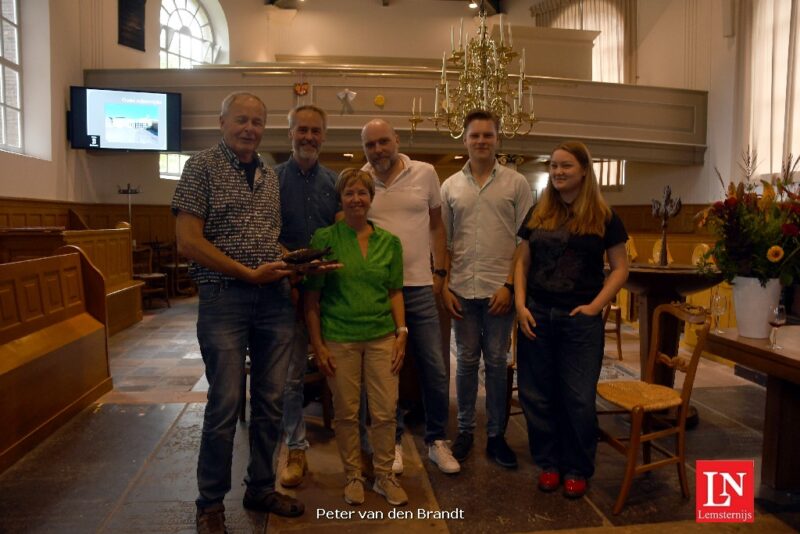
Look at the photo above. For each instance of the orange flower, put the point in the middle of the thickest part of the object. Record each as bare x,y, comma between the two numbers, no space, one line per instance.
775,254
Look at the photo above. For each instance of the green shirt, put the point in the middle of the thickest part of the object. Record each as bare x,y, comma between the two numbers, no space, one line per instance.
355,302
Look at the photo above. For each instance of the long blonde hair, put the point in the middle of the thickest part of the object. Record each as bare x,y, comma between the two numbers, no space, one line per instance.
589,212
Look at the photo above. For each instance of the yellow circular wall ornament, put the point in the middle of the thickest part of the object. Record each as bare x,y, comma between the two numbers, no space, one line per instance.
379,101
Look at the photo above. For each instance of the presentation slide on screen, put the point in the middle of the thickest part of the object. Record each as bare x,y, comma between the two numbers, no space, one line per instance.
126,120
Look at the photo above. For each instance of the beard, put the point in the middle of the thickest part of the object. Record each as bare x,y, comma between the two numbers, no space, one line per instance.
307,152
383,165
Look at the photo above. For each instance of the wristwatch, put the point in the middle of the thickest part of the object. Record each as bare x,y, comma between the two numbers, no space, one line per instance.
440,272
509,286
401,330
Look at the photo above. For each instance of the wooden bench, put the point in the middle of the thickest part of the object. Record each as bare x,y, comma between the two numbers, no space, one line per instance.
108,249
53,346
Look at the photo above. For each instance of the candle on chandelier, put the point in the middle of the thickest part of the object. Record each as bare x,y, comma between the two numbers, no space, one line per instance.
519,91
452,42
444,67
420,107
436,102
510,38
413,106
460,34
447,96
501,29
530,97
485,95
522,63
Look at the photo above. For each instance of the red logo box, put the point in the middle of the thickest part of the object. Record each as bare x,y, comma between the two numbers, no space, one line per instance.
725,491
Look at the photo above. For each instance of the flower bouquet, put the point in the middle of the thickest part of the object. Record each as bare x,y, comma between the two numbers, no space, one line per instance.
758,235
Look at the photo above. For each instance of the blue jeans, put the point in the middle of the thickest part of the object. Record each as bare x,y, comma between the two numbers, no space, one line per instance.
232,317
479,332
557,379
293,423
425,338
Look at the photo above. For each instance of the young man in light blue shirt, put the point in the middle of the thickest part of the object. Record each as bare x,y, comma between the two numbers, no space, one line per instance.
483,206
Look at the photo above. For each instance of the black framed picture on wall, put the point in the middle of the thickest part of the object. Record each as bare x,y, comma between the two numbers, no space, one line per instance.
131,23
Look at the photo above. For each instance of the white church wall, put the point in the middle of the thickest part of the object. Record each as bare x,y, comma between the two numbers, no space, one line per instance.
679,42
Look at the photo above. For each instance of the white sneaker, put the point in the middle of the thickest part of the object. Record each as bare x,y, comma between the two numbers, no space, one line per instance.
439,453
397,466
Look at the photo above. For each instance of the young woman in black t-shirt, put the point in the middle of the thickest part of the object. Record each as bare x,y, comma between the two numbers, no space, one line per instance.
560,293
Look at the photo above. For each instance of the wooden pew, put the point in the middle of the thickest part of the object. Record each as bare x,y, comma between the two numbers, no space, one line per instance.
53,346
109,250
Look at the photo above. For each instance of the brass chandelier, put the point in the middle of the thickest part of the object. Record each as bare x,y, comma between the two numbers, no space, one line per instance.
483,83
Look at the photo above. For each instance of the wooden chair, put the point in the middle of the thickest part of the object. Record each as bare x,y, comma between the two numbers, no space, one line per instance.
656,258
630,250
155,284
511,403
177,267
616,327
699,251
646,403
312,380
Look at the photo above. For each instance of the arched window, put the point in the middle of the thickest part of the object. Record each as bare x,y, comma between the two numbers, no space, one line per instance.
187,38
11,78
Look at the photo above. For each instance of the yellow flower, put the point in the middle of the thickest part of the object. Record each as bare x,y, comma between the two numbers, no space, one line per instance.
379,101
775,254
740,191
767,198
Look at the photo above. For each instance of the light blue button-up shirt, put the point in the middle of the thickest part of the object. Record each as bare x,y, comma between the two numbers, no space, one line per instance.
482,224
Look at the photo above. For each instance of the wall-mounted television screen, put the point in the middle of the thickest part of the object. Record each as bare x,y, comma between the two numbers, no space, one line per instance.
124,120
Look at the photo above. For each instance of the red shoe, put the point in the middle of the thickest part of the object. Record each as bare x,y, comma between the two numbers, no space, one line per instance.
574,487
549,480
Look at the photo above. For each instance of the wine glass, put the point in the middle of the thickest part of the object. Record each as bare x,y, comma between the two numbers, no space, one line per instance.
777,318
719,305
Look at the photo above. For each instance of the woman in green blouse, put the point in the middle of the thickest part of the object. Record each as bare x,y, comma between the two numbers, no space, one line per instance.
356,324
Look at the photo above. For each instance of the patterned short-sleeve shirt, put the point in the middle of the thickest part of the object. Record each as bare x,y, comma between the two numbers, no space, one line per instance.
243,223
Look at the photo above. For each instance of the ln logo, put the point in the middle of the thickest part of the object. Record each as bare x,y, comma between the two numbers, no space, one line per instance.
725,491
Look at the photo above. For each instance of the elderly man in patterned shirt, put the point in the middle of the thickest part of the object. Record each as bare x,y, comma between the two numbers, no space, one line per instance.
228,223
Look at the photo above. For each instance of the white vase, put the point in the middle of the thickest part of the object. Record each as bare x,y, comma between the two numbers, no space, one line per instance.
753,304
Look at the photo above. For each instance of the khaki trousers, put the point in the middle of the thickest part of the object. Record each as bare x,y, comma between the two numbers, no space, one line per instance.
370,362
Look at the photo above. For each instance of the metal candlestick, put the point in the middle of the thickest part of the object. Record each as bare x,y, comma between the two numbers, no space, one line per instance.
669,207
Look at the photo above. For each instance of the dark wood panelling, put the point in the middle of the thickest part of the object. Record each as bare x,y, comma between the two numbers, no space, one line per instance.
151,222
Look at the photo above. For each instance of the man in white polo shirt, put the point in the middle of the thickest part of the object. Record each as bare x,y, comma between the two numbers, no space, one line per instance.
408,204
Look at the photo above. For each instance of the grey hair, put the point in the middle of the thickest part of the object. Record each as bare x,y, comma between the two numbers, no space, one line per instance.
229,100
308,107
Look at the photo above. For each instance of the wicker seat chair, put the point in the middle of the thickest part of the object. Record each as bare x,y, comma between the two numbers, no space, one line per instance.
647,404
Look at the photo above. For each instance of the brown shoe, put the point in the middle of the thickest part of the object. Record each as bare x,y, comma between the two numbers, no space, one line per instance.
211,520
296,467
274,503
389,487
